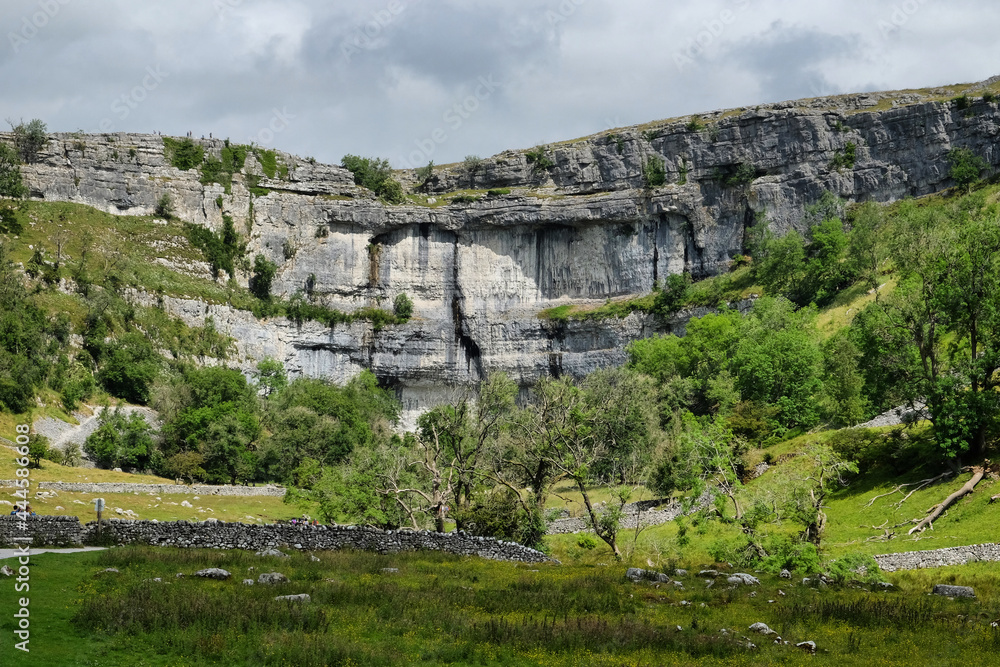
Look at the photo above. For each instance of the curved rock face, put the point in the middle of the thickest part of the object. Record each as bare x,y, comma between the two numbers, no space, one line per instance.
581,230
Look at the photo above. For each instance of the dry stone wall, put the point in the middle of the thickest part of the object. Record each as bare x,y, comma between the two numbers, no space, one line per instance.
66,530
915,560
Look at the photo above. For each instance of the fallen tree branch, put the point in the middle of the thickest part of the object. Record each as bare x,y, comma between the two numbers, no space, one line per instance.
977,474
899,489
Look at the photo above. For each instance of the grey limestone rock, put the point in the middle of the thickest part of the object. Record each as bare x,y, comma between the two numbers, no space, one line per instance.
213,573
742,578
272,578
954,591
272,552
301,597
762,628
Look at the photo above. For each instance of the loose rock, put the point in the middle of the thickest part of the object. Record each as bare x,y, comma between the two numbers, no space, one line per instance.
213,573
954,591
272,578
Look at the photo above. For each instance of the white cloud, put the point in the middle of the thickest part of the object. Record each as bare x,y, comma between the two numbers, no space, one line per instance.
377,77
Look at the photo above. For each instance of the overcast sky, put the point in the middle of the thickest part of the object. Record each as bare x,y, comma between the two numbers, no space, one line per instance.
419,80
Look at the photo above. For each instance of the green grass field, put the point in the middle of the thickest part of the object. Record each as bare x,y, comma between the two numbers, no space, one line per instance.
440,609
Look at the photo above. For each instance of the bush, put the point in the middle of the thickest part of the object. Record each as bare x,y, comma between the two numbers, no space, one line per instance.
402,307
463,199
72,456
784,553
29,139
855,566
845,159
165,207
120,440
376,175
654,173
424,174
966,167
183,154
734,176
11,182
962,102
264,271
538,158
497,192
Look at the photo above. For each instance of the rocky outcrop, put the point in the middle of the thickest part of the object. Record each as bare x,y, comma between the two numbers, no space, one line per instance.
577,226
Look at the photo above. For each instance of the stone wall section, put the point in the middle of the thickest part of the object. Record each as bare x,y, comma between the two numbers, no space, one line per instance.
129,487
915,560
212,534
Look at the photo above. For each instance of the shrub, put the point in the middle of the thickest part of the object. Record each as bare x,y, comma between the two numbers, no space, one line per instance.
966,167
376,175
11,182
989,97
463,199
784,553
264,271
497,192
183,154
962,102
737,175
288,249
861,567
402,307
845,159
165,206
72,456
695,125
538,158
424,174
29,138
120,440
654,173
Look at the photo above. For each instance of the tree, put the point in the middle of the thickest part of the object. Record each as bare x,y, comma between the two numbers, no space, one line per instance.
402,307
271,376
965,167
38,449
823,472
122,440
129,368
29,138
264,271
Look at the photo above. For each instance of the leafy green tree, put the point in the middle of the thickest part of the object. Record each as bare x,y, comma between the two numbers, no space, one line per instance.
129,367
264,271
778,361
29,138
271,376
402,307
122,440
965,167
38,449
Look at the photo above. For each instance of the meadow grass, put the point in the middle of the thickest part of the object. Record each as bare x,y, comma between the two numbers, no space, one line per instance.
444,609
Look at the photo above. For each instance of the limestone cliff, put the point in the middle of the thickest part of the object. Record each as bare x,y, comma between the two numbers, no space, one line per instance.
578,225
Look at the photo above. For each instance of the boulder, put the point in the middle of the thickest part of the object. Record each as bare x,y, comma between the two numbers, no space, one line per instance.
301,597
954,591
762,629
6,571
743,578
636,574
248,582
213,573
785,574
272,578
272,552
807,646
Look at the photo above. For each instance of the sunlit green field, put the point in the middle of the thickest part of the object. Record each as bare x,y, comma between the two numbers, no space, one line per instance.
440,609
